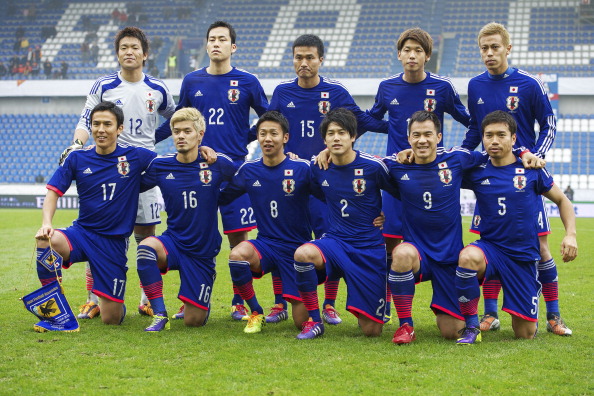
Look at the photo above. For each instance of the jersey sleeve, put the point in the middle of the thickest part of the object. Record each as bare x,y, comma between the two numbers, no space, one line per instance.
234,189
455,107
148,179
385,181
473,137
314,186
259,100
93,99
365,122
378,110
167,108
544,182
546,120
164,130
62,178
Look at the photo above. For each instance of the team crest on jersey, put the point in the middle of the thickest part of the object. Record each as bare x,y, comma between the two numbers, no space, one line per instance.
359,185
520,182
445,175
150,106
429,104
512,102
233,95
324,106
123,166
289,186
205,176
476,220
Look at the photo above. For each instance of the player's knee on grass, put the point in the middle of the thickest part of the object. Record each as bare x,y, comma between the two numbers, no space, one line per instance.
472,258
405,258
545,252
309,254
523,328
111,311
194,316
449,326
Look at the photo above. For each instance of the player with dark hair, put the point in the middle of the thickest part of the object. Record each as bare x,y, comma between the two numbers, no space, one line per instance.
224,94
507,194
304,101
522,95
190,188
400,96
352,247
142,98
107,178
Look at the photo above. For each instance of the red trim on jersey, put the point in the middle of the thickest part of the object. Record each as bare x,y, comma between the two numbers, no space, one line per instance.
187,300
475,231
97,292
393,236
436,307
357,312
54,189
257,251
509,311
544,233
240,230
291,297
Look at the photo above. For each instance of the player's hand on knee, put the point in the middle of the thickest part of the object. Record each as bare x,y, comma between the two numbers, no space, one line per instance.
405,157
77,144
569,248
208,154
323,159
44,233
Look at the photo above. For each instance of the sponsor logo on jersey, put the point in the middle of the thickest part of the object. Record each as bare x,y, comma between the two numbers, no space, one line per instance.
288,172
198,93
476,220
170,177
233,95
88,171
520,171
394,102
480,101
123,166
289,186
205,176
325,184
234,83
203,165
442,165
520,182
430,92
405,177
359,185
325,95
513,89
257,184
358,172
291,105
324,106
150,106
486,182
445,175
429,104
512,102
119,102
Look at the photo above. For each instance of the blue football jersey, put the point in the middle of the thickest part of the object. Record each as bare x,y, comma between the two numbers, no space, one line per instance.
305,108
507,196
521,95
107,185
279,197
225,101
430,195
401,99
353,195
190,192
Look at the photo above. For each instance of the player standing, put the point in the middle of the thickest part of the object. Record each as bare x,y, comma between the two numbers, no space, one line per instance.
142,98
353,247
190,188
304,101
108,182
224,94
507,194
522,95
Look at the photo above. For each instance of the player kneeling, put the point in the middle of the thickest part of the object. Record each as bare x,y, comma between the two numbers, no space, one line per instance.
190,188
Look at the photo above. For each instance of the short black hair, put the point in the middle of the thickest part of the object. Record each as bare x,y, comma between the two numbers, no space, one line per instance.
422,116
224,24
341,116
274,116
132,31
310,40
497,117
112,108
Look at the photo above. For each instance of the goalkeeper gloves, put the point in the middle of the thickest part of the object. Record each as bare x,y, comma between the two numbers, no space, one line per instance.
76,144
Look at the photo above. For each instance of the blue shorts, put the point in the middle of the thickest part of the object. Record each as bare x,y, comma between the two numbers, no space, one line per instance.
364,272
107,260
319,216
544,227
392,209
196,274
519,280
442,277
238,215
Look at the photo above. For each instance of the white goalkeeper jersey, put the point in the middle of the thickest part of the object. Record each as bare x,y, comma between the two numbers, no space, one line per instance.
142,102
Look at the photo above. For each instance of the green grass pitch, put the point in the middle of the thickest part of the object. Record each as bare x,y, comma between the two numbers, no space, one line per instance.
221,359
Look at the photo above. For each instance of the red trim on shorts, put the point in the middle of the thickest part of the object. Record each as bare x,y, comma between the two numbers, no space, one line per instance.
357,312
509,311
54,189
321,253
256,249
436,307
240,230
187,300
291,297
97,292
475,231
393,236
544,233
257,275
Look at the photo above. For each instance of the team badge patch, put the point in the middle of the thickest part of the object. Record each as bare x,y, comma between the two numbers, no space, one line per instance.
324,106
512,102
520,182
445,175
50,259
289,186
476,220
150,106
50,306
205,176
123,167
429,104
233,95
359,185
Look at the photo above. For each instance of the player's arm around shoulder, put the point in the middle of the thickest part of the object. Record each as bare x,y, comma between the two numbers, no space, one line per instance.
569,248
